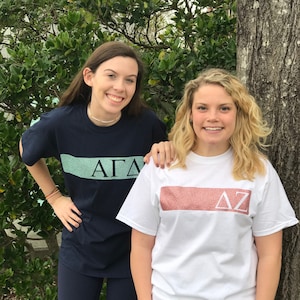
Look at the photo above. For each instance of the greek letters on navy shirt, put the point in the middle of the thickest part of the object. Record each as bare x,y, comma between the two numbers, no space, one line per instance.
99,166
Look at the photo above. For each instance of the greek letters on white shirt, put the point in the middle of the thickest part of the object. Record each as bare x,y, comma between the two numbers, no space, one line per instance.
209,199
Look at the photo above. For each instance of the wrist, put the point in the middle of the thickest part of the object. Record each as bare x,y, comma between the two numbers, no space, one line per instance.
53,195
54,198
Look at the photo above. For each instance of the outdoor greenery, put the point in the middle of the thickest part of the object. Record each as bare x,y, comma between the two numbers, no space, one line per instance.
44,44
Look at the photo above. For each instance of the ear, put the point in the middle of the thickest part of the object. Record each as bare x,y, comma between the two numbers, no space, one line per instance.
88,76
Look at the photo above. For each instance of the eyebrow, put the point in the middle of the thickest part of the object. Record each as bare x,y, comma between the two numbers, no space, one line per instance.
110,70
203,103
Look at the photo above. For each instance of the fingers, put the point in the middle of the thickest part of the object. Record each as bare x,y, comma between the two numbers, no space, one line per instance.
66,224
160,158
162,153
147,157
75,210
165,157
67,212
72,221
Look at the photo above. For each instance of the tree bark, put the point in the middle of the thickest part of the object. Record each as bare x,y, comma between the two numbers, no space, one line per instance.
268,62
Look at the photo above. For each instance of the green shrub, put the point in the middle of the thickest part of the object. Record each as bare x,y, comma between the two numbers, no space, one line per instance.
47,43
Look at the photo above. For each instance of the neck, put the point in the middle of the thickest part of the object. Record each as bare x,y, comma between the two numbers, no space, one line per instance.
103,122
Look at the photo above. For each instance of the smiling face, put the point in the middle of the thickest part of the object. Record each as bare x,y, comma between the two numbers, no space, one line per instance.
213,118
113,85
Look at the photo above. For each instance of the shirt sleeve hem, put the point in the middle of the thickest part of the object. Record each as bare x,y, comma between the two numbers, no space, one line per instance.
135,226
276,228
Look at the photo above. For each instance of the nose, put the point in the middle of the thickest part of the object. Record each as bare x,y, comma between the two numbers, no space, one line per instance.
212,115
119,85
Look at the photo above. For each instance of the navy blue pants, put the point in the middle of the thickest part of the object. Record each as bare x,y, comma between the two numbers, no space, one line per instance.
75,286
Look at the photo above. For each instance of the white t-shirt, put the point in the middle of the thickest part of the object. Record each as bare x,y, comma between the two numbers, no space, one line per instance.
204,222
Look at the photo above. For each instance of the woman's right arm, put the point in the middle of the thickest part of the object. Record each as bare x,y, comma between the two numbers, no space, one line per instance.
140,262
63,207
163,154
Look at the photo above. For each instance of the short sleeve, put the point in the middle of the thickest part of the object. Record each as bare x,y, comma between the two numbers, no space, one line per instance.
39,141
274,211
140,209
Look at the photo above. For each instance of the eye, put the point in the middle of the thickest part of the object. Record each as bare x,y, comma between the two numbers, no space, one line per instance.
201,107
111,76
225,108
129,80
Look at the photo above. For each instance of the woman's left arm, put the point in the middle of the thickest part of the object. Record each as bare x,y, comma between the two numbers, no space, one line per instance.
269,250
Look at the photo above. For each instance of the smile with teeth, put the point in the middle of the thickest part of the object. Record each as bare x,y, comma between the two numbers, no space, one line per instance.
213,128
114,98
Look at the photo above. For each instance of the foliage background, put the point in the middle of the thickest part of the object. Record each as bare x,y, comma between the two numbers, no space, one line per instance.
44,44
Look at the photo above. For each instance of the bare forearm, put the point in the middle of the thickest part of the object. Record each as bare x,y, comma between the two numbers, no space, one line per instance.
63,207
141,263
269,250
141,273
268,274
41,175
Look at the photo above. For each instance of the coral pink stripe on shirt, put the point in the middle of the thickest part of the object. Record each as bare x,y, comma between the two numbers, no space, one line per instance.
209,199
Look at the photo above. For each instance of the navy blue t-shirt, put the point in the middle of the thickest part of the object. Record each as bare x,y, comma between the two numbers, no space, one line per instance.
99,166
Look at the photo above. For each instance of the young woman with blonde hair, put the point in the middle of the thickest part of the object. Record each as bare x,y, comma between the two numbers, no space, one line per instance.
210,226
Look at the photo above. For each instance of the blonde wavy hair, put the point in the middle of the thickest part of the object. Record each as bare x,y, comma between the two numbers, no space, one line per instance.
250,134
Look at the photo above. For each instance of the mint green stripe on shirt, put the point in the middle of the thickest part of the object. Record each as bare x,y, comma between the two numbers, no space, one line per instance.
102,168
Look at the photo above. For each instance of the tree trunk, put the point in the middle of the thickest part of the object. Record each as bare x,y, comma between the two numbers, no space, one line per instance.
268,62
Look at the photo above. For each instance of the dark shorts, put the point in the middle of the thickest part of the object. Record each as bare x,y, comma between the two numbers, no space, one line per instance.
75,286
